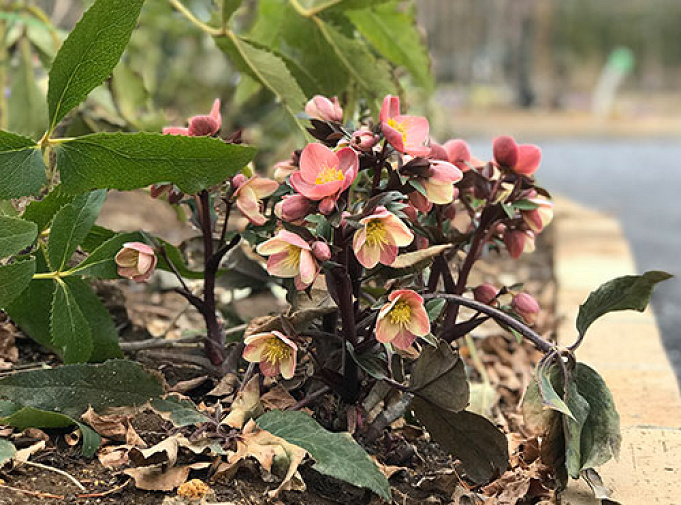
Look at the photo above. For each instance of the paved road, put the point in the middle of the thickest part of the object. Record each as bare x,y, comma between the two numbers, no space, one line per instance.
639,182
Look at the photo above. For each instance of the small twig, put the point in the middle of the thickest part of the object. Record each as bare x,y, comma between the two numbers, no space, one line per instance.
310,398
105,493
33,493
157,343
247,376
55,470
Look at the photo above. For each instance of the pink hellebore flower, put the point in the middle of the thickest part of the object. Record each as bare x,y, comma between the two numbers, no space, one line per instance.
364,140
540,217
275,352
523,159
407,134
526,307
325,174
200,126
249,193
320,107
380,238
459,154
402,319
518,242
136,261
439,186
290,256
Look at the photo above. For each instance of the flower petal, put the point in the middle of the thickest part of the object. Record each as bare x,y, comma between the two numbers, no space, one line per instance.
388,254
368,255
262,187
420,323
314,191
393,137
400,232
386,331
280,264
529,157
390,108
288,366
308,267
404,339
314,158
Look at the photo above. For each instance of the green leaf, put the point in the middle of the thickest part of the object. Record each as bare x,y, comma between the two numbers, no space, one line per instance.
7,451
15,235
71,389
395,35
133,160
89,54
546,374
22,171
266,68
574,428
228,9
310,7
41,212
481,447
100,263
628,292
26,109
14,279
69,328
336,454
434,308
70,226
180,411
371,363
524,205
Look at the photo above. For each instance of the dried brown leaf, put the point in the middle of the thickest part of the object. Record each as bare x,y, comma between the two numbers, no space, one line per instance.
246,406
164,453
226,386
113,456
154,478
277,398
116,427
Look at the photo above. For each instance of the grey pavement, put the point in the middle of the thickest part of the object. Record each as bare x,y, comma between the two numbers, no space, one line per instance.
638,181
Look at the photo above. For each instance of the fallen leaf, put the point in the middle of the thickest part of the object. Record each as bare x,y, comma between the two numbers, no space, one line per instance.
25,454
419,257
113,456
277,398
154,478
388,470
246,405
226,386
444,481
164,453
115,427
188,385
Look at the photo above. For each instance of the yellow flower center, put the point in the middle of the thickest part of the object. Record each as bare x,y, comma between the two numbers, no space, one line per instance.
329,174
400,127
376,232
293,256
276,350
400,313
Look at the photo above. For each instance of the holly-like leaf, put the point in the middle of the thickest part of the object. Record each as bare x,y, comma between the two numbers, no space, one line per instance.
395,35
335,454
14,279
475,441
41,212
22,171
27,110
69,328
133,160
70,226
631,292
15,235
89,54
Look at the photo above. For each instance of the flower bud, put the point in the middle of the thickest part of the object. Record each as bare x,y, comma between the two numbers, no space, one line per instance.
238,180
505,151
321,250
364,140
526,307
136,261
515,242
292,208
485,293
322,108
327,206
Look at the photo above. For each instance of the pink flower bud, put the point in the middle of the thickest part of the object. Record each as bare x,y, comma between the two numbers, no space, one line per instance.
515,242
206,125
293,208
505,151
411,213
238,180
322,108
526,307
327,205
485,293
421,242
364,140
437,152
321,250
136,261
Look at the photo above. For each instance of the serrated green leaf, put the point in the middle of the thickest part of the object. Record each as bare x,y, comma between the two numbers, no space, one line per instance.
100,263
629,292
268,69
15,235
22,171
335,454
70,226
229,7
96,237
68,326
41,212
395,35
133,160
27,110
7,451
71,389
14,279
89,54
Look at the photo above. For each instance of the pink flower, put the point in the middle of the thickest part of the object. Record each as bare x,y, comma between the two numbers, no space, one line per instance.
459,154
249,193
402,319
523,159
200,125
407,134
292,208
322,108
275,352
290,256
438,186
526,307
325,174
283,169
136,261
380,238
364,140
518,242
540,217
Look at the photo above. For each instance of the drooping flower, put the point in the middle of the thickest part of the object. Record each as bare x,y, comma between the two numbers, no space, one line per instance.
438,185
459,154
274,352
290,257
136,261
518,242
402,319
523,159
537,219
380,237
199,126
526,307
249,193
407,134
325,174
320,107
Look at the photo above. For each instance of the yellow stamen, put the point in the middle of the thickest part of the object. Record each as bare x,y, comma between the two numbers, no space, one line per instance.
329,174
400,313
276,351
376,233
292,256
400,127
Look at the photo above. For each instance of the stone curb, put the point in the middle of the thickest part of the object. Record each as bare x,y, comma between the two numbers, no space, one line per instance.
626,349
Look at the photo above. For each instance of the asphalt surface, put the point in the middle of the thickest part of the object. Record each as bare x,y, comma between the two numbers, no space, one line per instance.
639,183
